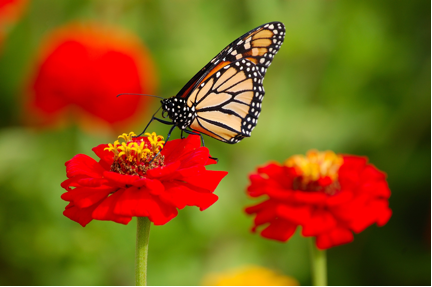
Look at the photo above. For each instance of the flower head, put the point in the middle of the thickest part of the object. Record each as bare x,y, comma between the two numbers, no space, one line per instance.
81,68
140,177
328,195
249,276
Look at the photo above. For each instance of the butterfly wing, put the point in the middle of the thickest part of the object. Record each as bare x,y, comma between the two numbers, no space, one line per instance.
227,104
259,46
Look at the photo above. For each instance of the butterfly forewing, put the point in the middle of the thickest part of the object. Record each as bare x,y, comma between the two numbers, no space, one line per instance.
258,46
228,103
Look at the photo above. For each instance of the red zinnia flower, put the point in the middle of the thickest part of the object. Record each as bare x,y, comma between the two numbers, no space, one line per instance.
81,70
129,180
329,196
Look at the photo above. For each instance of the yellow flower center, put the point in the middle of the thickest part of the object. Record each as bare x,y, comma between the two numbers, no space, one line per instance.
135,157
317,171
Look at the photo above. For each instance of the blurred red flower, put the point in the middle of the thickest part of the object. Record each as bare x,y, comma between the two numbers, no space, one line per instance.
328,195
125,182
10,12
81,70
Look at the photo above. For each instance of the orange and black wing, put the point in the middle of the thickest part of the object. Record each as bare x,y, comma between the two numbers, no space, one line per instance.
228,103
258,46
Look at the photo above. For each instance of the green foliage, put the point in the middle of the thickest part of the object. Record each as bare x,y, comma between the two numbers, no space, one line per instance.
352,76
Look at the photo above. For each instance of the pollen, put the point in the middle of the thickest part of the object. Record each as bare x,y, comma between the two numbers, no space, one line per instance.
317,170
136,155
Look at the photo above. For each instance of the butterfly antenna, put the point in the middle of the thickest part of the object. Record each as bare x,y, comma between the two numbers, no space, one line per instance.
140,95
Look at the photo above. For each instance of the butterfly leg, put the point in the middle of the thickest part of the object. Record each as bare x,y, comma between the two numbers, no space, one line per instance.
154,118
167,138
202,140
169,133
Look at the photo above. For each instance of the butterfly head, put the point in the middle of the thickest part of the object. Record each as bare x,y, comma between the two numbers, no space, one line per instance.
179,112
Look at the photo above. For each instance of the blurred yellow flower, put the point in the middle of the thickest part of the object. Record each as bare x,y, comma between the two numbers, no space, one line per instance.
250,275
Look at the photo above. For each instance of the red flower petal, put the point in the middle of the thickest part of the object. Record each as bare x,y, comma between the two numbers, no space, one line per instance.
199,156
279,230
384,216
294,214
280,194
90,182
319,222
376,188
84,165
277,174
120,180
164,171
71,182
81,215
373,212
83,197
106,157
256,208
266,215
370,173
258,185
354,162
337,236
310,197
139,202
178,150
105,210
181,195
340,198
200,177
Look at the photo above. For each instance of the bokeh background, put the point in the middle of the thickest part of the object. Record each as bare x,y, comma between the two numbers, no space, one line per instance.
352,76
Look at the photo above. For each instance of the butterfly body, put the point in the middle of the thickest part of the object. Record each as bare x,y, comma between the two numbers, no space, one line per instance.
223,100
177,110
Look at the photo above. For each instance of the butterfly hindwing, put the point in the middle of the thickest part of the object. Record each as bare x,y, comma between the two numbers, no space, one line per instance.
228,103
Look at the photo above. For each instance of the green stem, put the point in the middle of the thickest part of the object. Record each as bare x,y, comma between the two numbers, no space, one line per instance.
141,254
318,264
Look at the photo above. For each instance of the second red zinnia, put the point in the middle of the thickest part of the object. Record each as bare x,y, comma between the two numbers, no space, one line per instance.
328,195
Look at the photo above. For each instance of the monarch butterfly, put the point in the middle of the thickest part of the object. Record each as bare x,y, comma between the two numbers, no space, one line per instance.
223,100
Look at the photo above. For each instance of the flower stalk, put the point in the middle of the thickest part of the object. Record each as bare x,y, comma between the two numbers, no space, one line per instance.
141,253
318,264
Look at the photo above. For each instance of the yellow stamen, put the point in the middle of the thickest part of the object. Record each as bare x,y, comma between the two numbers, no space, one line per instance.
135,157
140,150
126,149
156,141
316,165
127,137
113,148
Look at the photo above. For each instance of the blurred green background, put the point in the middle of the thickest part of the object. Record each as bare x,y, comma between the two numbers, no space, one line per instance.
352,76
